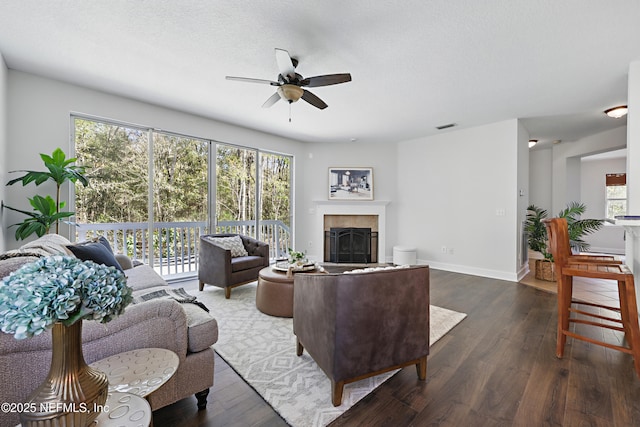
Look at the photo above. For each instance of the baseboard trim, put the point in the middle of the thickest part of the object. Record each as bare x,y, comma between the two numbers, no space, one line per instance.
474,271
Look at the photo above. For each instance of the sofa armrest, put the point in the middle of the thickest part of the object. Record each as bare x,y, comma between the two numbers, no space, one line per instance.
158,323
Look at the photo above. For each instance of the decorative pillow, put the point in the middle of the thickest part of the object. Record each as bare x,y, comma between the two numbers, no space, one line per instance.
97,252
234,244
104,241
374,269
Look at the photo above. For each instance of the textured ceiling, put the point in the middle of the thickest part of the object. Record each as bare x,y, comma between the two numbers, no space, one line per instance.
415,64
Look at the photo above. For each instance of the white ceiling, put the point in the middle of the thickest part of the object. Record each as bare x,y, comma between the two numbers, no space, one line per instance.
416,64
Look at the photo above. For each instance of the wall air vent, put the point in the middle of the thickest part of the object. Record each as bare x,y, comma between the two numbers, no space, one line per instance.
450,125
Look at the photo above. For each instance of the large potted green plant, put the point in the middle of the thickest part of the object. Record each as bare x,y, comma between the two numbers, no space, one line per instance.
47,211
537,234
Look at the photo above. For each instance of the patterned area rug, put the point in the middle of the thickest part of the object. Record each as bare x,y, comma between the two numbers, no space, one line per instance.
262,349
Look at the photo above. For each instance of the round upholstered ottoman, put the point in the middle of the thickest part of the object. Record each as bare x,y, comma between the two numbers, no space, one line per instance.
274,295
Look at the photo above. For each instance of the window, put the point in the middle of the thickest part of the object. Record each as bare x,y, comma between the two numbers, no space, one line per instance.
616,194
147,194
250,185
150,193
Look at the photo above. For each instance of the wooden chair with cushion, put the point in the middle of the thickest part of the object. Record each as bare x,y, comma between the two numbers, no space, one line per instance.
568,267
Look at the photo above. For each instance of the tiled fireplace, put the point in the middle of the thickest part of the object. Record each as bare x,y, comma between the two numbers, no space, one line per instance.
362,215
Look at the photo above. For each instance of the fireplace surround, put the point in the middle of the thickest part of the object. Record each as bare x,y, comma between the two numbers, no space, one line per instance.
357,214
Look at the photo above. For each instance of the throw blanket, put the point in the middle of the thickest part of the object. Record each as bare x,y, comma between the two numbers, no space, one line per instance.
179,295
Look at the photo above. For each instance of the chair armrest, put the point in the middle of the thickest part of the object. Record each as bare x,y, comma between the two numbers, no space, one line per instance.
214,262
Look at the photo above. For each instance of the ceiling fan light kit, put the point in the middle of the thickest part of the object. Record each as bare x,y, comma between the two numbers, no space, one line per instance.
290,84
617,112
290,93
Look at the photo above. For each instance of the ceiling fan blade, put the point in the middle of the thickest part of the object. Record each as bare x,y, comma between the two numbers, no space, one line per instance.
272,100
314,100
285,64
326,80
250,80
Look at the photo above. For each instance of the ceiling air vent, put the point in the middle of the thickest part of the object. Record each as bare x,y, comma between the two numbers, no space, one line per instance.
450,125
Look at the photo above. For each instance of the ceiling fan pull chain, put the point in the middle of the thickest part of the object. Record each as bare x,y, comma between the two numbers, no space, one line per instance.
290,111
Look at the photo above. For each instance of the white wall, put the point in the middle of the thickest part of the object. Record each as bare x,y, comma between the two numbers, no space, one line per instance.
609,239
452,191
3,142
39,111
315,164
540,178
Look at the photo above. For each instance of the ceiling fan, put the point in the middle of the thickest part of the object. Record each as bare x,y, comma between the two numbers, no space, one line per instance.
290,84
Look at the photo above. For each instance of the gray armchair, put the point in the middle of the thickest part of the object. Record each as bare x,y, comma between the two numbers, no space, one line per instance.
218,268
359,325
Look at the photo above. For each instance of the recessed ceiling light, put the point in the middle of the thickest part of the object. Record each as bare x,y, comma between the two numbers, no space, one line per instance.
617,112
532,142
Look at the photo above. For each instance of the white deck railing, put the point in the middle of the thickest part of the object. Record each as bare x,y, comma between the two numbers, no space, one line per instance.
174,246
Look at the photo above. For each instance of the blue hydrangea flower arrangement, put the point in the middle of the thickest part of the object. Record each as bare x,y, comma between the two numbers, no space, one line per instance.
60,289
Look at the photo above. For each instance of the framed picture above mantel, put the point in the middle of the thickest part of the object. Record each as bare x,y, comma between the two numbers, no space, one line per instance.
350,183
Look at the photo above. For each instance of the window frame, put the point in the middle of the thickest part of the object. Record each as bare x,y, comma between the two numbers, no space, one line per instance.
615,180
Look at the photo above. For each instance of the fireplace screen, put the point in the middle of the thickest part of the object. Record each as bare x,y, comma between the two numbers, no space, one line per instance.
354,245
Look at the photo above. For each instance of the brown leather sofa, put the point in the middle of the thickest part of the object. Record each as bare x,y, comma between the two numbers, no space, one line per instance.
362,324
218,268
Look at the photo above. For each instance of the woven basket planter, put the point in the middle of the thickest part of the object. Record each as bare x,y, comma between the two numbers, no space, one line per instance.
545,270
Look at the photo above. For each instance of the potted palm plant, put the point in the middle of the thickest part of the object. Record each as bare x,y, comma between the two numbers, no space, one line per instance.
47,211
537,234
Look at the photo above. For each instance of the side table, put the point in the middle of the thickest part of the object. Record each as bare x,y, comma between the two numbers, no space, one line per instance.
139,372
124,410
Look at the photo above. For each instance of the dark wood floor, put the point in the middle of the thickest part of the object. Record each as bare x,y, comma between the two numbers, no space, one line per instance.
496,368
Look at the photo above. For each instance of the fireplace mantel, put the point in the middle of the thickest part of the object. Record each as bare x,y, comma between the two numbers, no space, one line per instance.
349,207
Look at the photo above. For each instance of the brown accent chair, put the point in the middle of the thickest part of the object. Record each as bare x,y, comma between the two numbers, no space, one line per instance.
363,324
218,268
572,311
